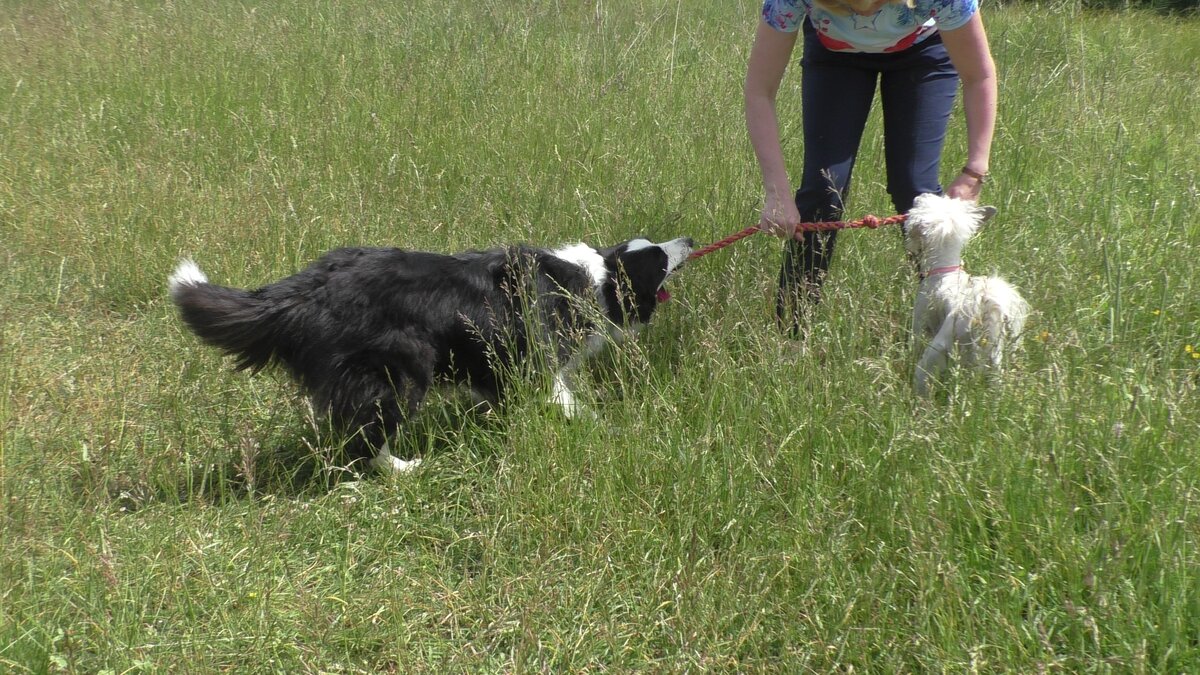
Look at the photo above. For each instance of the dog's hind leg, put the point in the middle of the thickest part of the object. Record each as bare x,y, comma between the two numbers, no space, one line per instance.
386,462
1003,313
370,441
935,358
371,404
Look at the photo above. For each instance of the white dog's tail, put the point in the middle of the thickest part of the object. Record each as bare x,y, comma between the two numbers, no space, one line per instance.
1004,312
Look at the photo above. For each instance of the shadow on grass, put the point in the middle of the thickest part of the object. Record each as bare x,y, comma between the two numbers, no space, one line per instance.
298,462
299,456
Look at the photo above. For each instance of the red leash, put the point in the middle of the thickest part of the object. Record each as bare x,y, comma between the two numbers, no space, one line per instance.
866,221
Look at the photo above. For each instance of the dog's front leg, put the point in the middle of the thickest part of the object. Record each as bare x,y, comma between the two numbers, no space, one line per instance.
935,359
918,318
564,386
562,392
922,318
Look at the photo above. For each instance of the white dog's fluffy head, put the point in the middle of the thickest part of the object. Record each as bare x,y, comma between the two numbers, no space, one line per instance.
936,223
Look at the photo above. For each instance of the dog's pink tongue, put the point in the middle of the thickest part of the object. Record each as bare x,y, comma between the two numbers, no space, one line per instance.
662,295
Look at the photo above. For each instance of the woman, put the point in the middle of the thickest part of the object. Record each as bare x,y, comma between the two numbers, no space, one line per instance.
917,51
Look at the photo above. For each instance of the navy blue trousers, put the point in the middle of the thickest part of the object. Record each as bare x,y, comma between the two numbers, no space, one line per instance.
917,88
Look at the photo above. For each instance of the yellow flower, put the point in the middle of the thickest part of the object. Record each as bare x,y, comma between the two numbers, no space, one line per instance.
1155,312
1188,349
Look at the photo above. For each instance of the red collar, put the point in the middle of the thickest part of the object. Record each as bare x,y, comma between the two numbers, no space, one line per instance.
940,270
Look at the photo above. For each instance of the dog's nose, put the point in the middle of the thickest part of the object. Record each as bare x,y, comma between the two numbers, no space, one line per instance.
689,242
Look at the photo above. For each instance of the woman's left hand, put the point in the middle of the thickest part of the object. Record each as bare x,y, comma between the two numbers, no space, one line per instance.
965,187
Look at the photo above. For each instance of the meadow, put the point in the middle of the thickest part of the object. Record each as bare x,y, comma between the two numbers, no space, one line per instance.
741,501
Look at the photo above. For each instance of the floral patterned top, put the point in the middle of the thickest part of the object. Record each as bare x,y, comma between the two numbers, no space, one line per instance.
891,29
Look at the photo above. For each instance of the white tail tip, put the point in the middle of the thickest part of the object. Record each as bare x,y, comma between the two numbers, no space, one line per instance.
186,274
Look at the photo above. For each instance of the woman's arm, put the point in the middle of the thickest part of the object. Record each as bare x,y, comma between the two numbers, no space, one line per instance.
769,59
969,52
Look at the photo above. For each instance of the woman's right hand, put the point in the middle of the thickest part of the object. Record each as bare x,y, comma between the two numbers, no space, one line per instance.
779,216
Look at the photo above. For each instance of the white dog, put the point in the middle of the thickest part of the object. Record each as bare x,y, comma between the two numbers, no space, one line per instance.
980,316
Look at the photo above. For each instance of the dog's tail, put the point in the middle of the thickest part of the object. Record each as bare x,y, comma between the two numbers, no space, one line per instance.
238,322
1004,312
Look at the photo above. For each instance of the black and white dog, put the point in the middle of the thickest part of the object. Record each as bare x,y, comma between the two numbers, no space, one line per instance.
367,331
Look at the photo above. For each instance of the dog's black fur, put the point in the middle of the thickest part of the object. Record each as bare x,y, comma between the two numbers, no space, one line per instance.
367,331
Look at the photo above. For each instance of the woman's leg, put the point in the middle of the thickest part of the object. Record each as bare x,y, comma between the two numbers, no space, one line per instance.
836,95
917,90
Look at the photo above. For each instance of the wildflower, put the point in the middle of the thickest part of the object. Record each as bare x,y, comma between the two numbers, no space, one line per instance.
1156,312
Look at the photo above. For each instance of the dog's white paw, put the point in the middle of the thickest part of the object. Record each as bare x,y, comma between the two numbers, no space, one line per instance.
577,411
921,385
386,462
571,408
394,465
562,396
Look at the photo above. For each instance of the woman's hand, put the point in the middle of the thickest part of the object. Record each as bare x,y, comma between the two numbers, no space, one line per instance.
779,216
966,187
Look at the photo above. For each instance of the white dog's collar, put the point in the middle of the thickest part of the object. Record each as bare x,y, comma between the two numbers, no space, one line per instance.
940,270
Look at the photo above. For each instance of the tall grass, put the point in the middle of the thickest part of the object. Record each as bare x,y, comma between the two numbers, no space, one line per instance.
740,502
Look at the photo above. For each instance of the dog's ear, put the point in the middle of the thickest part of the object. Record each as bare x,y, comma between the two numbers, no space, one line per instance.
987,212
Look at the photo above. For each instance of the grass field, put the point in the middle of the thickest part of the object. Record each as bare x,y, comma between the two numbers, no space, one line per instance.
741,503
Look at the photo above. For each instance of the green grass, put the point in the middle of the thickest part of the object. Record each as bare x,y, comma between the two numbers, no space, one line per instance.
741,503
